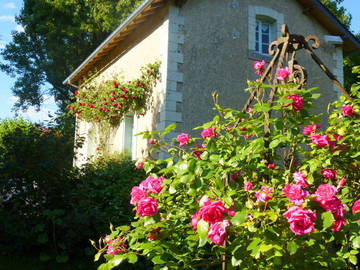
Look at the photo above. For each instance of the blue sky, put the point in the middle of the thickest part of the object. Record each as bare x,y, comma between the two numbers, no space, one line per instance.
8,10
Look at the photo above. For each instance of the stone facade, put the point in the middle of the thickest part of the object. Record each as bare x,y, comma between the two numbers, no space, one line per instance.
206,46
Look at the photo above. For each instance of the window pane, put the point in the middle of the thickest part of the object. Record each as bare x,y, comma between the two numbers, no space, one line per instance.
257,36
257,46
257,25
265,39
265,28
265,48
128,136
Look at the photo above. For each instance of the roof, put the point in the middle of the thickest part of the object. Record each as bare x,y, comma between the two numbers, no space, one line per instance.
313,7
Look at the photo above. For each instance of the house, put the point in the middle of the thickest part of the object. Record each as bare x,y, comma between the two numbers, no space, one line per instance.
203,45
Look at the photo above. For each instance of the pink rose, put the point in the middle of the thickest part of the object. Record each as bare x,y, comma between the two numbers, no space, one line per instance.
300,179
329,174
310,129
248,186
208,133
260,67
356,207
338,224
271,166
348,110
147,207
137,194
213,212
264,194
140,165
298,102
218,233
112,251
342,182
153,141
107,239
183,139
295,193
301,220
320,140
325,192
152,184
337,137
199,150
235,176
195,220
282,73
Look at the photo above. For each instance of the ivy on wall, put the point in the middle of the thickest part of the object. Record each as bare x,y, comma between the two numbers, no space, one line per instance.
111,100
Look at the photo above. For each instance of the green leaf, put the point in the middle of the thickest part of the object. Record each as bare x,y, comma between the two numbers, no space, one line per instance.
292,247
97,256
62,258
202,229
168,129
240,217
356,242
235,262
132,257
353,259
328,219
158,260
254,244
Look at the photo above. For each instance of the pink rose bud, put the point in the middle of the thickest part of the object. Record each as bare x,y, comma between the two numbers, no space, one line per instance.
271,166
235,176
248,186
153,141
356,207
342,182
140,165
195,220
348,110
329,174
183,139
231,211
282,73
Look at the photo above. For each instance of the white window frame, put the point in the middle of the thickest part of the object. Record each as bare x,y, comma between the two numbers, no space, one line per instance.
267,15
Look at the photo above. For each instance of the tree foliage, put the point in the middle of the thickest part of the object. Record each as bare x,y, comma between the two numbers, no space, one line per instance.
58,36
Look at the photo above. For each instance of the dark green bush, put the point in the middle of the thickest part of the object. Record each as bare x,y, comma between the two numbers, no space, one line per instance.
49,210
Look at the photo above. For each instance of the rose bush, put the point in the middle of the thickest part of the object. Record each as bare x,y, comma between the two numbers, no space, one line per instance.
111,100
253,199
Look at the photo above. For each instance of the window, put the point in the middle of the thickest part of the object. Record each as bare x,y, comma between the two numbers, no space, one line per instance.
129,135
262,36
264,27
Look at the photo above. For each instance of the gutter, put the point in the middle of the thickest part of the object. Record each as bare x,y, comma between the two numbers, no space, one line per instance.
118,30
347,33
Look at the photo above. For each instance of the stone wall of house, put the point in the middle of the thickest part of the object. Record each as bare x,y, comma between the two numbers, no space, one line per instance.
147,45
217,57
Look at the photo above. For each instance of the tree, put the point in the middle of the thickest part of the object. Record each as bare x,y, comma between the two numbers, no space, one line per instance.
58,36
